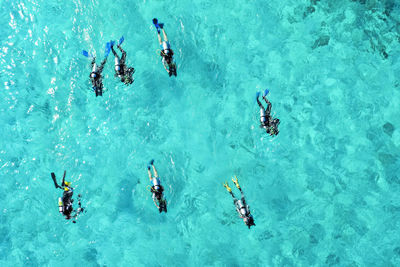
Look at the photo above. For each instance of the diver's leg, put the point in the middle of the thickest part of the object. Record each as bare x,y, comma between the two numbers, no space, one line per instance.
93,63
159,38
269,107
115,53
123,54
259,103
102,65
165,35
155,171
149,173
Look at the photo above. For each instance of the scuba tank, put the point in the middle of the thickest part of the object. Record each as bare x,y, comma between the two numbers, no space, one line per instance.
60,205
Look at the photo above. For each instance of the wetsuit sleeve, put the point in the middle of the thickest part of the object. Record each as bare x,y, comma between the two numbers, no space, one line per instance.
123,55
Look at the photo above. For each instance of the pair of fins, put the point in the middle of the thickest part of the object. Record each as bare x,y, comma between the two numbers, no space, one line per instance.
53,176
264,94
107,49
158,25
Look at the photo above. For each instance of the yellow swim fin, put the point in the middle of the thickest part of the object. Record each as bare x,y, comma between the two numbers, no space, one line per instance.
236,182
227,187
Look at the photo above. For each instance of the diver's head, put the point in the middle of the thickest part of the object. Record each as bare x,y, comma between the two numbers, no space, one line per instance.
273,130
128,79
249,221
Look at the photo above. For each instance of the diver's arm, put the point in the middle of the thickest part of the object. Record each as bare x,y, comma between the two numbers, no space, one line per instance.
234,198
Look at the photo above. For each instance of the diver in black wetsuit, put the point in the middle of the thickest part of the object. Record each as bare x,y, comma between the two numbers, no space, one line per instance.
267,122
241,206
157,189
121,70
95,75
65,203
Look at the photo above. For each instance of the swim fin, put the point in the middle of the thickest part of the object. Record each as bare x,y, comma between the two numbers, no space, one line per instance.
155,22
121,40
112,43
86,53
161,25
257,96
151,162
107,49
53,176
266,92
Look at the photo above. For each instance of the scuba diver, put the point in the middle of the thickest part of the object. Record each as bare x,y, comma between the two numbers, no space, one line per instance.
157,189
267,122
65,203
166,51
241,206
95,75
121,70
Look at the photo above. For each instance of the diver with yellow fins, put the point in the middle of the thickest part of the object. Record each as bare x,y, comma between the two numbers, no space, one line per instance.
241,206
156,189
65,203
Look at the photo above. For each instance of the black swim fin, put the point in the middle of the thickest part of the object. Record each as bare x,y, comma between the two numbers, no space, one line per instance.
53,176
63,180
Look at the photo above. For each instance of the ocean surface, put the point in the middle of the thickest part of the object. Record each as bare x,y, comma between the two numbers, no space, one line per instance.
324,192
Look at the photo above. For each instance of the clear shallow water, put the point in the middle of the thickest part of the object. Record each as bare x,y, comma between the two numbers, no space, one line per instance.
324,192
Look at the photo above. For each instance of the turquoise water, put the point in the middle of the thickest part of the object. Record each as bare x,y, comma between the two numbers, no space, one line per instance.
323,192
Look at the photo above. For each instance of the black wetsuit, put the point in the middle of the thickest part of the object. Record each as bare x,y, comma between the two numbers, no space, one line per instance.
97,81
158,197
67,204
242,205
267,122
121,69
168,61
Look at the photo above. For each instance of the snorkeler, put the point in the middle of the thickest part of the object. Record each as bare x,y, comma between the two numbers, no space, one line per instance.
166,51
95,75
267,122
157,189
65,203
121,70
241,206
